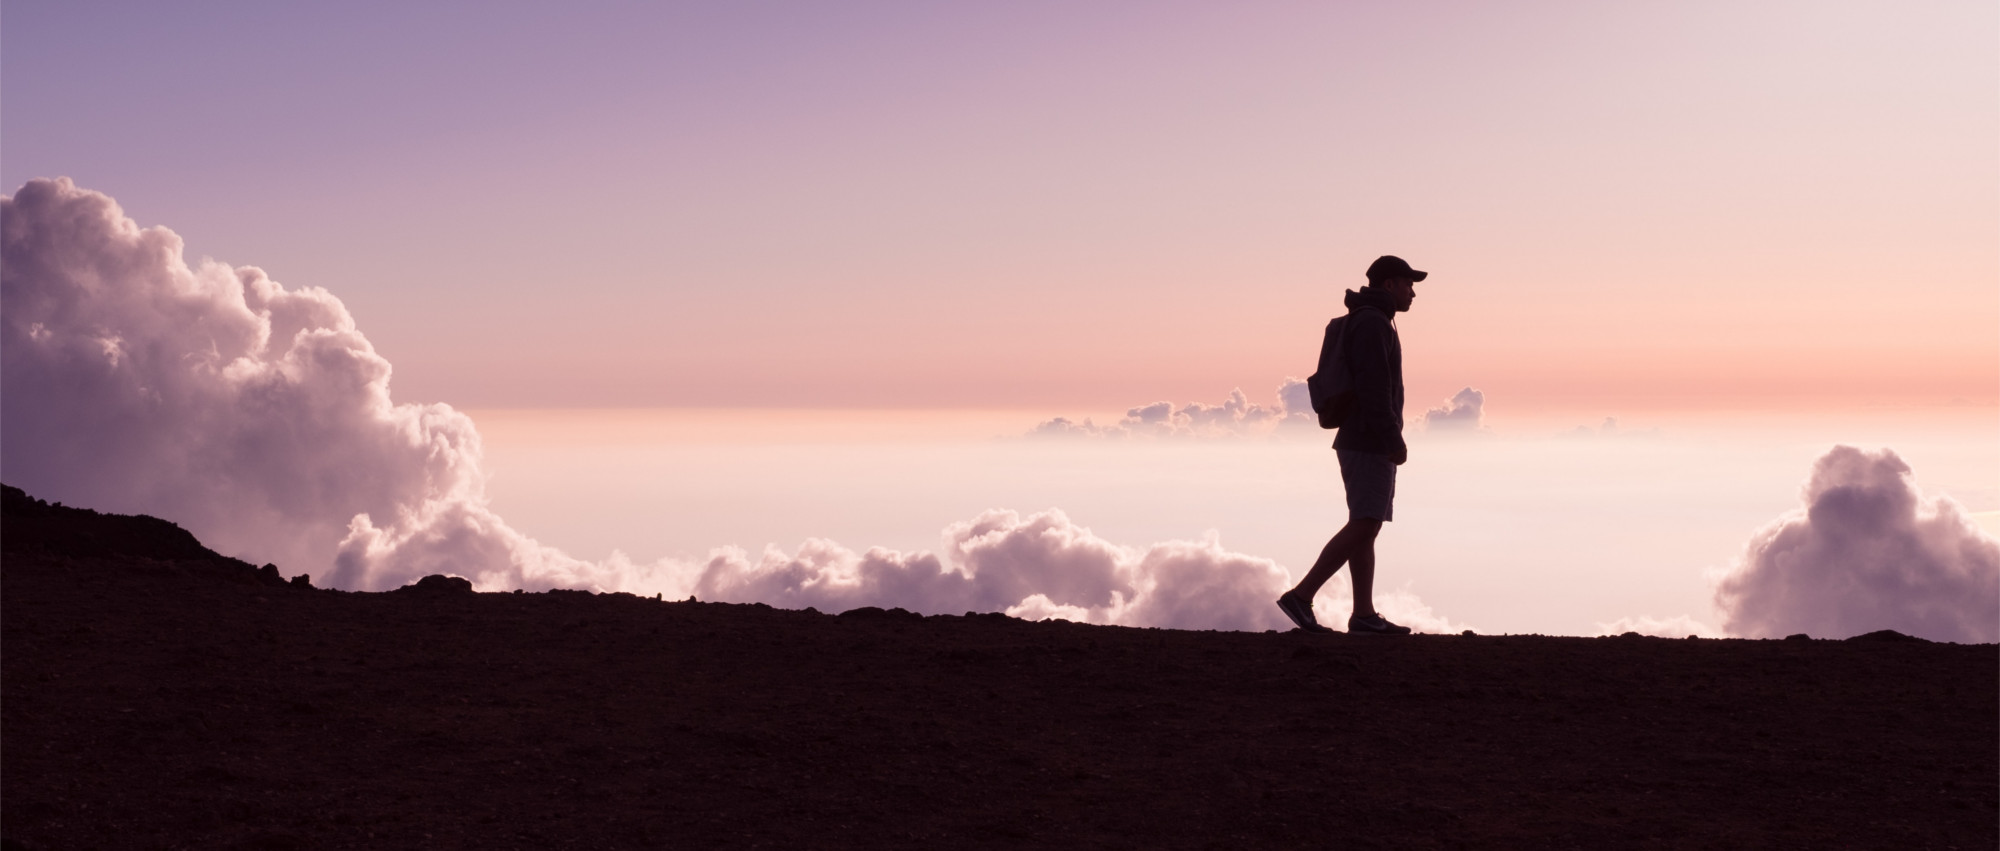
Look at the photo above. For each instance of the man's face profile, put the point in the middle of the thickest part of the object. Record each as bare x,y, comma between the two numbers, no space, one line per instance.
1401,291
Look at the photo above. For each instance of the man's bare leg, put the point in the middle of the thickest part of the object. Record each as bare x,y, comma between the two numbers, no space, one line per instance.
1354,542
1363,562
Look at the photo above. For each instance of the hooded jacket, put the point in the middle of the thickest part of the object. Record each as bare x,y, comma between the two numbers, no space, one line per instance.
1374,356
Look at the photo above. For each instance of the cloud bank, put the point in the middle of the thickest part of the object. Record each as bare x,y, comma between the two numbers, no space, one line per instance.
1867,552
1043,566
1037,566
1237,416
259,417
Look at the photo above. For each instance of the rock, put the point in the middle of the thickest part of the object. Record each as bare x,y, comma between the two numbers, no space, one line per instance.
1887,635
877,613
439,585
42,527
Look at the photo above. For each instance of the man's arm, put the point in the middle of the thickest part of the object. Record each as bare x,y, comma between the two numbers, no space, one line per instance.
1374,393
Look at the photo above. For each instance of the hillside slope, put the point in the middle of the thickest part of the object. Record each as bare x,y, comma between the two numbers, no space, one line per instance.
157,695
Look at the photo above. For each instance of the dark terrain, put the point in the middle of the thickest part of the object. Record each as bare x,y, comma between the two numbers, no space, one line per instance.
157,695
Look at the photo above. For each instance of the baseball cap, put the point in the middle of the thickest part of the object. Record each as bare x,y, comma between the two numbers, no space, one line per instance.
1389,265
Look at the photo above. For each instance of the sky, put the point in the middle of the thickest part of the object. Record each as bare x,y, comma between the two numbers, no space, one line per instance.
1034,205
779,300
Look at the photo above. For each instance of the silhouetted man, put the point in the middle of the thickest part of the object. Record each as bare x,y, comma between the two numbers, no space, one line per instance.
1370,445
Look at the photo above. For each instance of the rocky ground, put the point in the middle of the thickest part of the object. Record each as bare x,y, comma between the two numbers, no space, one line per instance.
153,694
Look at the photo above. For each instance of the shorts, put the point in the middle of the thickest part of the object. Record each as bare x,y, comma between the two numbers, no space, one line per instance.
1371,484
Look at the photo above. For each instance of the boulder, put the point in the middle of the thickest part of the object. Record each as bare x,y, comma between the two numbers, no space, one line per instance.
438,584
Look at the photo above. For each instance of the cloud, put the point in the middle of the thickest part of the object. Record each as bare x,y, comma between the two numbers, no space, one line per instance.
1675,627
1236,416
1400,606
1989,521
1038,566
1043,566
1295,402
1463,412
1610,429
1607,428
1867,552
259,417
1038,607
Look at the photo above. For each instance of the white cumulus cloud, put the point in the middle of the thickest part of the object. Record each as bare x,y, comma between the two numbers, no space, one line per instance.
1038,566
1866,552
1463,412
257,415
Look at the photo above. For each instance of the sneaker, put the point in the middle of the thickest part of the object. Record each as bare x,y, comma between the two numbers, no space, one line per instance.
1301,613
1374,625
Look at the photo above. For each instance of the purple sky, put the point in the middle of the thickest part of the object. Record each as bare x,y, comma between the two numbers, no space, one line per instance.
1061,205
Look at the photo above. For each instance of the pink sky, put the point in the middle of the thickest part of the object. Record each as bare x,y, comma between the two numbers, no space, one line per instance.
630,225
1049,206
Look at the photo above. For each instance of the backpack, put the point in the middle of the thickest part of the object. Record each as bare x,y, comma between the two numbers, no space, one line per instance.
1332,386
